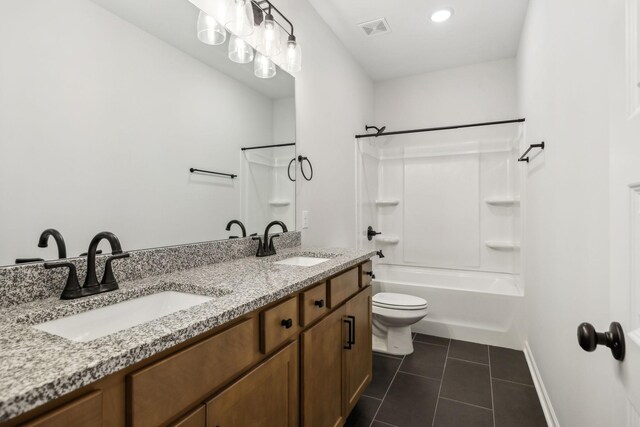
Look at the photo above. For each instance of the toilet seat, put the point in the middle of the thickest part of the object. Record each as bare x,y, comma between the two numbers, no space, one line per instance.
398,301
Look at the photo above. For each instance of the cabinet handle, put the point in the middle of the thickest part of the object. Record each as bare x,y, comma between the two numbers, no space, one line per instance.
349,342
287,323
319,303
353,327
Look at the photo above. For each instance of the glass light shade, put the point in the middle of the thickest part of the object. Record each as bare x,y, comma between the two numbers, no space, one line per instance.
269,37
293,56
210,31
239,50
263,67
240,18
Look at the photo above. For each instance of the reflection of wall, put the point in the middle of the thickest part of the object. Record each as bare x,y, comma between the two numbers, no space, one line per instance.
284,120
99,124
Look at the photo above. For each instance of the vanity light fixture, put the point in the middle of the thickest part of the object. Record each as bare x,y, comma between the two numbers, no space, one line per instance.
293,61
256,34
441,15
239,50
263,67
240,18
269,36
210,31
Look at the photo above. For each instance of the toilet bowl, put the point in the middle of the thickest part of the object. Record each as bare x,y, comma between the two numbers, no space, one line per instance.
393,315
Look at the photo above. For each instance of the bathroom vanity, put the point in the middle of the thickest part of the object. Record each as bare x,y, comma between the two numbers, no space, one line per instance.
277,345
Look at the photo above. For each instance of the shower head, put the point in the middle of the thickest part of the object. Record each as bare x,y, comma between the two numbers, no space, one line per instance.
378,130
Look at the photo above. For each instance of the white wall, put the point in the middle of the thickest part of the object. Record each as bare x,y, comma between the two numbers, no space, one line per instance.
99,125
334,99
475,93
562,70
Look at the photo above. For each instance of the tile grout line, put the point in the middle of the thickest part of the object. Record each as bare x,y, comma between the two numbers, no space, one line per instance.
420,376
465,403
444,368
387,391
469,361
493,406
513,382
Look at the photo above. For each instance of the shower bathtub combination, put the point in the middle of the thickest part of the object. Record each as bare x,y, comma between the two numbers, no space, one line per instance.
465,305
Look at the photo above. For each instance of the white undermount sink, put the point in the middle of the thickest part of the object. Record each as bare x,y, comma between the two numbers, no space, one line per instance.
104,321
302,261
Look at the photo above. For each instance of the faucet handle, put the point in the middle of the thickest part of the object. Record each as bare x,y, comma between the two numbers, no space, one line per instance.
72,287
108,278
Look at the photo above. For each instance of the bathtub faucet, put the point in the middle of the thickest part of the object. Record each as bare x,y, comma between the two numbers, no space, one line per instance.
380,254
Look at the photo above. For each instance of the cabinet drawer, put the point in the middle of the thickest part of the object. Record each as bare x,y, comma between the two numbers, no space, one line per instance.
278,324
85,411
343,286
162,390
313,304
366,271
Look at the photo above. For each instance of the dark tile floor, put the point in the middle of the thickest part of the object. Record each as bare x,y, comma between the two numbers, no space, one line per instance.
450,383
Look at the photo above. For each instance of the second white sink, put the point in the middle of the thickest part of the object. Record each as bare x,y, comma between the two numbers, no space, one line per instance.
104,321
302,261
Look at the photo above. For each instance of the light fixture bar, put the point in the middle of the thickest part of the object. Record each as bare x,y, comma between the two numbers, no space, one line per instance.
268,8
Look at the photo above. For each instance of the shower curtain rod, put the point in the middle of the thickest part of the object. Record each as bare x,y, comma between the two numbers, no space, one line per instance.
401,132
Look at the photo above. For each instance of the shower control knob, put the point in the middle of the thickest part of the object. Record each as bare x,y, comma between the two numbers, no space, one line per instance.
371,233
589,339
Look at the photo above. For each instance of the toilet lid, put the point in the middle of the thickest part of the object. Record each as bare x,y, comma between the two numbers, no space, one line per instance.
398,301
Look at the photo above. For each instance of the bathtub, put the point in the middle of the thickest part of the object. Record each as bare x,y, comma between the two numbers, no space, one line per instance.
465,305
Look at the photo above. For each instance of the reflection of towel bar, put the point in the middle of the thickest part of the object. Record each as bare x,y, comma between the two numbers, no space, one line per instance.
230,175
531,147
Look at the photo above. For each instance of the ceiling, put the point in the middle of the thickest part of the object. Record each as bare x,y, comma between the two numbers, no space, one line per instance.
174,22
479,31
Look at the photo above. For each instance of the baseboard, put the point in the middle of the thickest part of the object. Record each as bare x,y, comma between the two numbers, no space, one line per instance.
547,407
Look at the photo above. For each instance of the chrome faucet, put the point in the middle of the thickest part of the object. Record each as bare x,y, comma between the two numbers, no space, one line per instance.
265,249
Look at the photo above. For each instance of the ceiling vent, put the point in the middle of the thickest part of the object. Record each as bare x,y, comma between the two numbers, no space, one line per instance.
375,27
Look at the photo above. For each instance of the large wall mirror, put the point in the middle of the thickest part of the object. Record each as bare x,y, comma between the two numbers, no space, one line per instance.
106,105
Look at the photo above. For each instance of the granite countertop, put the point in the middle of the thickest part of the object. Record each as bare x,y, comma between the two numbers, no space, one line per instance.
36,367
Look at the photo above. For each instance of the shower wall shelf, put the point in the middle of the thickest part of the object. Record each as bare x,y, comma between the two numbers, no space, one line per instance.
502,201
502,245
279,202
387,202
392,240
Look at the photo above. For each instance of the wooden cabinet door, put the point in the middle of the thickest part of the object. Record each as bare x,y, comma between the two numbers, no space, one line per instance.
358,358
265,397
322,375
83,412
195,418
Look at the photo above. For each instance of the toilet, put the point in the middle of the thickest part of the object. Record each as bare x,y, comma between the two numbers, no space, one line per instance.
393,315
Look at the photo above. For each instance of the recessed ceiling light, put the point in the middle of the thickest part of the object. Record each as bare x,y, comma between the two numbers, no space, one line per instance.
441,15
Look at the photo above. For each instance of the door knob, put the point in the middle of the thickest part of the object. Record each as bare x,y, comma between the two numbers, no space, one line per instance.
589,339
